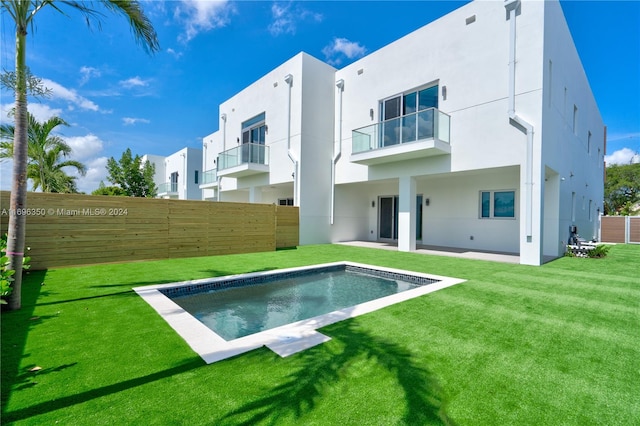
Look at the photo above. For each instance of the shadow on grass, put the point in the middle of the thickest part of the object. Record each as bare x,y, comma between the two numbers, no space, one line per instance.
15,326
68,401
100,296
322,369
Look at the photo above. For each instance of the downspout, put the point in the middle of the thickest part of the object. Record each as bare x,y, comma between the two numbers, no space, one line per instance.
224,148
289,80
204,167
184,174
336,153
512,6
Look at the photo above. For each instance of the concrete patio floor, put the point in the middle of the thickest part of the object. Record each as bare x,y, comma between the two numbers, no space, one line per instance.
442,251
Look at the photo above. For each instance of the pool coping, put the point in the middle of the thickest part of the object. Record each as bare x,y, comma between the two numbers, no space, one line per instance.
286,339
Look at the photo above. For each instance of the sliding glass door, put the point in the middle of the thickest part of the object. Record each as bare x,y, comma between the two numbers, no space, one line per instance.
388,218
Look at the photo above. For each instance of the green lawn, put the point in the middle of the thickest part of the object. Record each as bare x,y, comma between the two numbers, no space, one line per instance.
513,345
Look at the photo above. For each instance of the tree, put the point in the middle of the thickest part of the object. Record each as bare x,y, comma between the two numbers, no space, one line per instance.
23,13
622,189
45,167
109,190
135,178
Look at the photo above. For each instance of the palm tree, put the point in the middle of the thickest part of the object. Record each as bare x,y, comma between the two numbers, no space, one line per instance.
23,13
45,167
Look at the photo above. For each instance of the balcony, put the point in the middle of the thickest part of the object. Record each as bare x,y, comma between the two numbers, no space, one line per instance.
244,160
421,134
168,190
209,179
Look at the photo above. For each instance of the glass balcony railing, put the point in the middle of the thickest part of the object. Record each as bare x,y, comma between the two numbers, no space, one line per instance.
209,176
166,187
427,124
243,154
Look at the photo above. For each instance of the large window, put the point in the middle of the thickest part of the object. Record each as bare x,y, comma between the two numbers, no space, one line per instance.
254,130
409,116
497,204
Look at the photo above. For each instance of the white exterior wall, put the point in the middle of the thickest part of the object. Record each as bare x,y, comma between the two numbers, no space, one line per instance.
472,62
299,123
185,162
574,163
315,150
468,52
158,162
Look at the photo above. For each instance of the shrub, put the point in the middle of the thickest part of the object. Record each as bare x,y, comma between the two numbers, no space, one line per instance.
599,251
6,274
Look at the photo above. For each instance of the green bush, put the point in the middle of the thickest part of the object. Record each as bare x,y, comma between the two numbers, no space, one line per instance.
6,274
600,251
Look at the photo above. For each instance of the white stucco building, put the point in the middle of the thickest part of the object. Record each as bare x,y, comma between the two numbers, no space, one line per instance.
477,131
179,174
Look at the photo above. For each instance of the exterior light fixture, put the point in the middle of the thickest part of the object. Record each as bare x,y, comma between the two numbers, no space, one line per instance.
371,113
427,202
373,204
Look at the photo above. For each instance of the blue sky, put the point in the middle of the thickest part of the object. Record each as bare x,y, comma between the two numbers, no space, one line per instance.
115,96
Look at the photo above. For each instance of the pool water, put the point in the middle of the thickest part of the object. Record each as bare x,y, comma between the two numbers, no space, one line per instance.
240,311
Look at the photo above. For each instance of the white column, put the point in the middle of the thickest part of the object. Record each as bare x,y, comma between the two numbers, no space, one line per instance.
407,214
255,194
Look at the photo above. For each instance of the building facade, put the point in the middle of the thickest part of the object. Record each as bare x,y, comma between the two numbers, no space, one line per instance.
178,175
477,131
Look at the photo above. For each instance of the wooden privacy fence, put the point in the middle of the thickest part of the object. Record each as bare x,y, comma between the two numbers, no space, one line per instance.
620,229
71,229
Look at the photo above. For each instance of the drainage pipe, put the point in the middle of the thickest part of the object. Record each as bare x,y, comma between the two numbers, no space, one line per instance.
289,80
512,6
336,152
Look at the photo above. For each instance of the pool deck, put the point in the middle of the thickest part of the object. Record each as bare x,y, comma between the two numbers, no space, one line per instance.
284,340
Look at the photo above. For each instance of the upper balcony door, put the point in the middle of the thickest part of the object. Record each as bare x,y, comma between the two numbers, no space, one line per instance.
254,133
390,114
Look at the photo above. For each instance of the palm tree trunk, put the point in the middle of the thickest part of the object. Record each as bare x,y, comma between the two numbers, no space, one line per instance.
18,201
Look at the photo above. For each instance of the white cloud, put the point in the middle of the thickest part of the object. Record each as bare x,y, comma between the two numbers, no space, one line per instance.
129,121
621,156
202,16
283,20
134,82
341,48
96,172
286,17
84,147
87,73
175,54
60,92
41,112
6,170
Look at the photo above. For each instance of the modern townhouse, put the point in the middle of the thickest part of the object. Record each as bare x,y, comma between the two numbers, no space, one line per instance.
179,174
477,131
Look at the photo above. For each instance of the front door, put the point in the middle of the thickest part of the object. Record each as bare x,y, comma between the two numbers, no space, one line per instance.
388,218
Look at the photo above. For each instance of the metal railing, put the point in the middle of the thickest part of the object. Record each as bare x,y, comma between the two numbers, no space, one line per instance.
422,125
245,153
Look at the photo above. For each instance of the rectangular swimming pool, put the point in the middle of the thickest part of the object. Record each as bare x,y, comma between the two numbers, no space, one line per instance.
235,311
226,316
